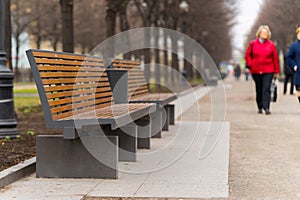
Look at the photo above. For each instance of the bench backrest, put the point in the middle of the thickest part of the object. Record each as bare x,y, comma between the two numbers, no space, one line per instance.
69,84
137,85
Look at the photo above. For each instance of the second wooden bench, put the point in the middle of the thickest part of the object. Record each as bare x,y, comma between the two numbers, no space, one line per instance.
138,92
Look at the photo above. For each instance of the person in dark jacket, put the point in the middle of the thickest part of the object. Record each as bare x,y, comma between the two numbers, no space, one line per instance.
262,57
294,61
288,77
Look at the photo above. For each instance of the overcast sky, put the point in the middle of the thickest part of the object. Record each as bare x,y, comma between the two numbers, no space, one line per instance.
247,13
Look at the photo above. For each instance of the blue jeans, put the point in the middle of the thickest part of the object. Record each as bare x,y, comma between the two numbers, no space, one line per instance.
263,85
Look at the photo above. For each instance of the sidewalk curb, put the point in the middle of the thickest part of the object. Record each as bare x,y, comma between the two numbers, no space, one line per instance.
16,172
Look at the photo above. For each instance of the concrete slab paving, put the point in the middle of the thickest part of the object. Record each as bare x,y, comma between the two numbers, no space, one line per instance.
186,177
38,188
171,168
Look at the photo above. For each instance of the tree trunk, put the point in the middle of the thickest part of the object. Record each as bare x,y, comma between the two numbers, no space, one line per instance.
7,33
38,32
124,26
110,19
147,55
166,57
54,44
157,59
188,65
38,40
174,62
67,25
198,64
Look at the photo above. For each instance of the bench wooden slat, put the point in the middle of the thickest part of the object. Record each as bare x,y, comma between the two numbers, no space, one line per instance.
124,62
84,105
78,92
109,111
66,62
70,68
83,94
137,93
134,81
66,56
153,97
69,74
136,85
54,88
57,102
73,80
71,114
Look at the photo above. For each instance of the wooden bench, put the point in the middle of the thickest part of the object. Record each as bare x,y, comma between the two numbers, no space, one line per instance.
76,95
138,92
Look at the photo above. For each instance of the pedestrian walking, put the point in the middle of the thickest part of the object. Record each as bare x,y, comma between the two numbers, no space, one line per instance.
246,72
294,61
262,58
288,77
237,72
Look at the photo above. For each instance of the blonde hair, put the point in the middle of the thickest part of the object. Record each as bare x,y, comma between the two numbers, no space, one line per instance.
261,28
297,30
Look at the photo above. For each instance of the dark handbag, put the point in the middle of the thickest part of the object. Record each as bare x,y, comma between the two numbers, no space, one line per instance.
251,55
273,91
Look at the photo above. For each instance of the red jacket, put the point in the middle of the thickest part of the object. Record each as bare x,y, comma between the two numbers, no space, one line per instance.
264,57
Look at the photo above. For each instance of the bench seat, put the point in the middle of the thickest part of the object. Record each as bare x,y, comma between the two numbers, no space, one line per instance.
159,98
116,115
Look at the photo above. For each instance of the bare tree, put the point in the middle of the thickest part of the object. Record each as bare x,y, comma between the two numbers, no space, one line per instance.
124,25
282,18
46,21
21,18
145,9
67,25
52,24
171,21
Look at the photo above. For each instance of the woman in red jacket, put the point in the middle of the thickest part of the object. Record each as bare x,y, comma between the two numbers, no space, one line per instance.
262,58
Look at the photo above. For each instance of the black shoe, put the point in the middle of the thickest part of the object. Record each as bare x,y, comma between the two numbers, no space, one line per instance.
259,111
267,112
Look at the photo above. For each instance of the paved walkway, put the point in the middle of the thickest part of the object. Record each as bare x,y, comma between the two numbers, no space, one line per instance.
172,168
264,161
264,150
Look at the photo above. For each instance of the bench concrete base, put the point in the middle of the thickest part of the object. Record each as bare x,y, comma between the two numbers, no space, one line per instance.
127,138
144,133
57,157
156,124
127,142
169,119
171,113
165,118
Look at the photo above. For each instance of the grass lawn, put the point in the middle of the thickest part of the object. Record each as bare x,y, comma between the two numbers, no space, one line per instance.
25,91
26,102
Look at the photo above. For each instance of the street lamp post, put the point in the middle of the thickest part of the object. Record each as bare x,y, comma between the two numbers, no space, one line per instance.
184,7
8,122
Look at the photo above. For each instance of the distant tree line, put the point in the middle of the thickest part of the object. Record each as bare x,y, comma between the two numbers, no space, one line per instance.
283,18
48,22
